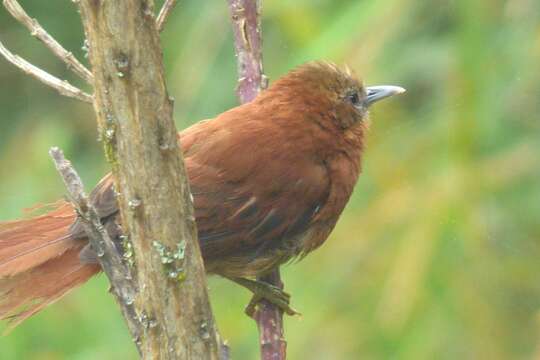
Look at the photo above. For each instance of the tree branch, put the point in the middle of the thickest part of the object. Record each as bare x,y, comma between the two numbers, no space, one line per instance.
269,320
251,80
164,13
109,258
62,86
248,48
134,113
36,30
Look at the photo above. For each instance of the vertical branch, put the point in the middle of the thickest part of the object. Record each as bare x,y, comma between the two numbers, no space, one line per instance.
269,320
251,80
248,48
134,113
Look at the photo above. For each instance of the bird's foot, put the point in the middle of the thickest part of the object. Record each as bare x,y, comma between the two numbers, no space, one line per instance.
263,290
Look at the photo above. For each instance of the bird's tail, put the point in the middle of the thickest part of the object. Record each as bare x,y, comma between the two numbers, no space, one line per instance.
39,263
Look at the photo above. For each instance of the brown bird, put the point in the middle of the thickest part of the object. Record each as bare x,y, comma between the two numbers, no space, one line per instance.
269,180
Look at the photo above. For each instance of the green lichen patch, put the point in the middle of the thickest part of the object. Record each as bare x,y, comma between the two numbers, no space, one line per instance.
172,259
128,250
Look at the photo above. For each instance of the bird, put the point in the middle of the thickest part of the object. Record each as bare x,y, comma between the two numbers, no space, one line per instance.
269,180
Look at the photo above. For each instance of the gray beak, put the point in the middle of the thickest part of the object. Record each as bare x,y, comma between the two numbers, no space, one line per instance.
376,93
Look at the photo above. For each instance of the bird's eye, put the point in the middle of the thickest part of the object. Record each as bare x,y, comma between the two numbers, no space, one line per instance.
354,98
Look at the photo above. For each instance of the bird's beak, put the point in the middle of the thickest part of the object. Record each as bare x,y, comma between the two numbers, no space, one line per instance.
376,93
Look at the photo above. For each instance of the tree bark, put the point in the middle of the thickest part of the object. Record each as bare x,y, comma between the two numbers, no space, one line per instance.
136,126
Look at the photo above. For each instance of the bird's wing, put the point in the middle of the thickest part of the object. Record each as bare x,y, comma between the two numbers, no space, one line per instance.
251,197
247,219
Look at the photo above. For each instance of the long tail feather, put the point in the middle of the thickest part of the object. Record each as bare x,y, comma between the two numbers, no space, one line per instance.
39,263
30,242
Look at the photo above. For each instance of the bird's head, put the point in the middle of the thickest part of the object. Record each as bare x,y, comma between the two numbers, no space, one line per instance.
329,93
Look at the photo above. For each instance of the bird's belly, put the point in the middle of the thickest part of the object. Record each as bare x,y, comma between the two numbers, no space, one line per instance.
261,262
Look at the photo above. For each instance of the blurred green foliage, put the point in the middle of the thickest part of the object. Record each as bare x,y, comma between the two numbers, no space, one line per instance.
437,254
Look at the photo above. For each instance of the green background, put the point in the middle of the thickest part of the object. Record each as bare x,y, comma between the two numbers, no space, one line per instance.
437,254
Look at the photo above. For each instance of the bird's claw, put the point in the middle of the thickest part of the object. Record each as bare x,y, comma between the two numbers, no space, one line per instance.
283,306
272,294
264,291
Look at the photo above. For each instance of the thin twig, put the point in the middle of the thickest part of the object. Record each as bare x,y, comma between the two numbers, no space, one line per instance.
39,32
109,258
251,80
164,13
62,86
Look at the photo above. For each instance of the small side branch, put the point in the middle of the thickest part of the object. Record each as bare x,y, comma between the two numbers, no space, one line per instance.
39,32
62,86
164,13
109,258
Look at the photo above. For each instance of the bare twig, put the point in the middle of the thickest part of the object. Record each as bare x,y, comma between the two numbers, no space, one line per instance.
62,86
109,258
37,30
251,80
164,13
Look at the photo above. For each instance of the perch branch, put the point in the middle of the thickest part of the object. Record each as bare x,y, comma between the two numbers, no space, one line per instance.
269,320
39,32
251,80
164,13
62,86
109,258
